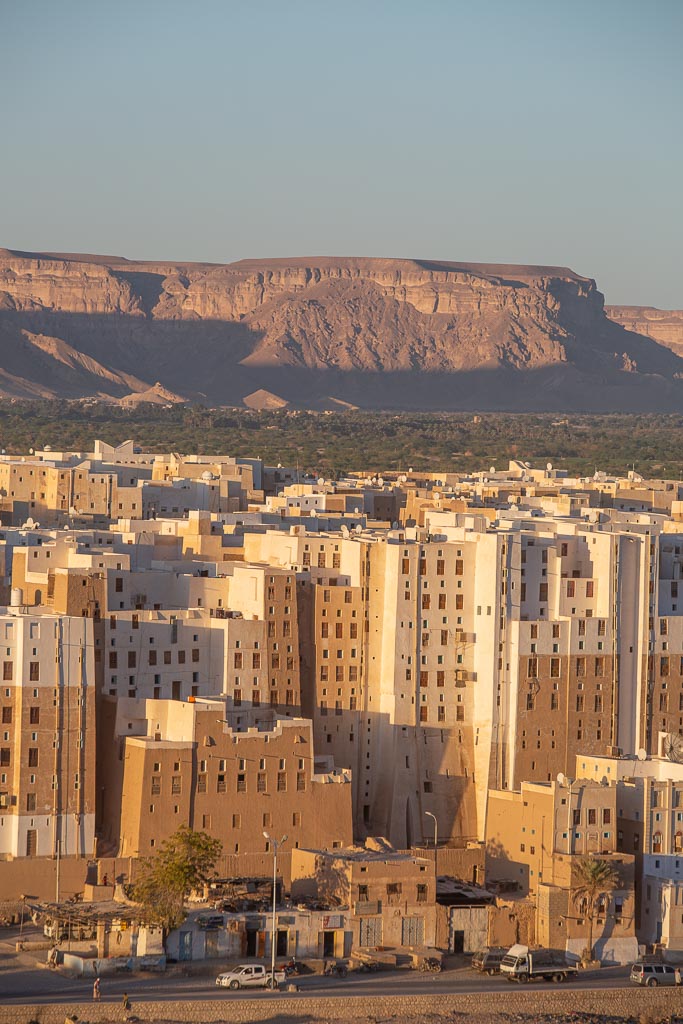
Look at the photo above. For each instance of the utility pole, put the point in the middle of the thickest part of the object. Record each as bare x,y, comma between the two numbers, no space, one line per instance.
436,831
277,843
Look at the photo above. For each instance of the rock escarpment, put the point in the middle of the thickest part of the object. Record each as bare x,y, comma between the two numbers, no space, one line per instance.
663,325
370,332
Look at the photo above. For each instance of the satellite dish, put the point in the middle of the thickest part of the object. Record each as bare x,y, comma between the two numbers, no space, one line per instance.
548,466
492,469
356,511
380,481
402,479
410,469
642,754
358,529
561,778
394,526
437,495
345,531
673,747
321,480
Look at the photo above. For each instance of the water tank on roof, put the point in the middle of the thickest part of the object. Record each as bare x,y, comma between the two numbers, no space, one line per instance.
16,597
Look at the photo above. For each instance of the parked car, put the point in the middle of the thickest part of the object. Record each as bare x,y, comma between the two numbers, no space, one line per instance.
653,974
488,960
250,976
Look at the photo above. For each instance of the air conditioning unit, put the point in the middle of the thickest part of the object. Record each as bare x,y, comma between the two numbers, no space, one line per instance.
5,800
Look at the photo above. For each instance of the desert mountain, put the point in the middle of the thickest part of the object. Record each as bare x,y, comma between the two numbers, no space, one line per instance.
664,325
374,333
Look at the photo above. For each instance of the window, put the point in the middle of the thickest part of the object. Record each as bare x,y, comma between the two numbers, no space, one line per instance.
7,715
33,757
34,715
555,668
34,671
7,669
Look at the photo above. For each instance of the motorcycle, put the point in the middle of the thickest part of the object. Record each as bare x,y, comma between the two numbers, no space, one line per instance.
292,968
430,963
335,970
368,966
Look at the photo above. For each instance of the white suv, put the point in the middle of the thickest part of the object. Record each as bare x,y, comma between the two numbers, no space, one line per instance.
250,976
653,974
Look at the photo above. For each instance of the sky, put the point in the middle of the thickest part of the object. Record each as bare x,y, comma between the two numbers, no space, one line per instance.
510,131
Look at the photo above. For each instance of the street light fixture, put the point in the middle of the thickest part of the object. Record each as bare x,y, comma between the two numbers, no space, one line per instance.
436,829
277,843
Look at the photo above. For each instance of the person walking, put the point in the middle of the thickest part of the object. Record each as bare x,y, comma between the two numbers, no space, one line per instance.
96,995
677,975
126,1001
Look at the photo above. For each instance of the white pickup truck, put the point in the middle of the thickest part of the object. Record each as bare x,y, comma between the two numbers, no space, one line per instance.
523,964
250,976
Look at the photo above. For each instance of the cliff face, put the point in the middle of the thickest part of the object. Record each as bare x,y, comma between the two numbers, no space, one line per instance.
442,335
663,325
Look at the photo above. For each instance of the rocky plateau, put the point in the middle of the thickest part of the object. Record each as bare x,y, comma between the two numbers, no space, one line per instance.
330,332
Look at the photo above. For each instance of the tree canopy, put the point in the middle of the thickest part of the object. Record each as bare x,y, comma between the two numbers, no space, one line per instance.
184,862
595,880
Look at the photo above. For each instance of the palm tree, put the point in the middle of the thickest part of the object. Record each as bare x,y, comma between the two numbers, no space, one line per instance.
595,879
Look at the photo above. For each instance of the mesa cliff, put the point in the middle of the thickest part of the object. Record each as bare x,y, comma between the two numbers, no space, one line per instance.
664,325
378,333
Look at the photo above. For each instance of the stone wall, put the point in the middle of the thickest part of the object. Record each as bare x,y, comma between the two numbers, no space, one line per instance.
279,1009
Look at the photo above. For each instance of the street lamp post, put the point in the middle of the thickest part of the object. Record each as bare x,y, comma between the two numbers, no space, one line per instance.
277,843
436,828
570,823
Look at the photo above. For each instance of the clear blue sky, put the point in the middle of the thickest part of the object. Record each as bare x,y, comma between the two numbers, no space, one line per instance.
531,131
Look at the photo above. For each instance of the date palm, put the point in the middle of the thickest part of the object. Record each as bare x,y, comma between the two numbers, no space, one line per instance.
595,879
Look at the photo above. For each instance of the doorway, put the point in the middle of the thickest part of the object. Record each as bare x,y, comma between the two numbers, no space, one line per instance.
31,842
328,943
252,934
282,943
459,942
185,946
412,931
